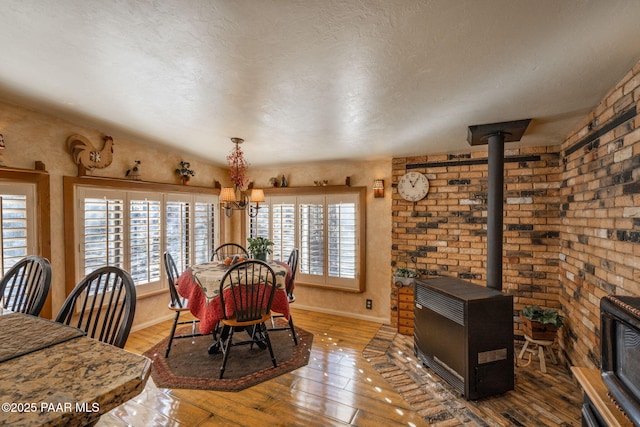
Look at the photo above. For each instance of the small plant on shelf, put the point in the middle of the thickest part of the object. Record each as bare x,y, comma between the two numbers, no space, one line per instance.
404,275
539,323
184,172
405,272
259,247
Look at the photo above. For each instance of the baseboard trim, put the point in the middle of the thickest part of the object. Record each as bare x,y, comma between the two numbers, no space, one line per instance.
383,320
155,321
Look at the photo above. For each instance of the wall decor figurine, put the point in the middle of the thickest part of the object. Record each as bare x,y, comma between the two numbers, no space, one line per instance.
284,182
184,172
134,172
87,157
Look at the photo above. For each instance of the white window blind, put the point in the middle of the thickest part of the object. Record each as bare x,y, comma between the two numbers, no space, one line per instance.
342,238
190,228
312,237
103,232
325,228
144,237
18,228
204,230
132,229
260,225
283,230
177,232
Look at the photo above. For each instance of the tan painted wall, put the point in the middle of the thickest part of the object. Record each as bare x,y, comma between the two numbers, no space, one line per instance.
378,235
32,136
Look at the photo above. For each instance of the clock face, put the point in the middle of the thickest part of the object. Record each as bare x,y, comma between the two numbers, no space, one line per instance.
413,186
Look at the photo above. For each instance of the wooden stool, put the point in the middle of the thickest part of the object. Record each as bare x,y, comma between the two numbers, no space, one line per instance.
541,345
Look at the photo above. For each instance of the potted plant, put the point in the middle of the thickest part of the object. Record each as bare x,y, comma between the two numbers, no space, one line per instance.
539,323
405,276
184,172
259,247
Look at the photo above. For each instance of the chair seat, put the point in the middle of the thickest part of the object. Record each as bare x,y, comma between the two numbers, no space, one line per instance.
183,302
233,322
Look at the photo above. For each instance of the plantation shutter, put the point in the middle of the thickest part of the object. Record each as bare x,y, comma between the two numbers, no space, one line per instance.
204,231
283,221
177,232
144,238
312,237
103,236
18,230
342,236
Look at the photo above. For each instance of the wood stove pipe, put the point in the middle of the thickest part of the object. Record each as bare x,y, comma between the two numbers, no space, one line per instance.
495,135
495,198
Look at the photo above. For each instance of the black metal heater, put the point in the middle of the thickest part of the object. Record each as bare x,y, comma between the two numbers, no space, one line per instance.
462,331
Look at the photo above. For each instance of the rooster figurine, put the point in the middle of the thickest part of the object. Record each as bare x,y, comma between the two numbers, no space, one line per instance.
86,156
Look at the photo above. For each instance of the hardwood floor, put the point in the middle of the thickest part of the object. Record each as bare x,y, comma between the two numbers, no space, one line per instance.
338,387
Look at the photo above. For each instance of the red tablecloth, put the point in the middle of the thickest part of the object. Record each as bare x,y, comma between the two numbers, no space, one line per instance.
204,303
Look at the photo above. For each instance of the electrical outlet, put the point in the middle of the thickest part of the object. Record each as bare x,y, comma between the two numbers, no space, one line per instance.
369,304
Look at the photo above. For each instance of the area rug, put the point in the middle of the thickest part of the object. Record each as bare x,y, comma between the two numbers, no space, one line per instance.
190,366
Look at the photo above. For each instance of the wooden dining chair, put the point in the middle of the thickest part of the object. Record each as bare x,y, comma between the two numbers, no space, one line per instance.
26,285
103,305
293,264
228,250
246,294
177,304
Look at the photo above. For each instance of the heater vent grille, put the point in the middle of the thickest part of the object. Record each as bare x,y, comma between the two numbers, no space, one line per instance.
444,305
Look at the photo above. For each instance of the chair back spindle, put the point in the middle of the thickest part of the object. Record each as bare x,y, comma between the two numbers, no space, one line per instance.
251,287
172,276
26,285
228,250
103,305
293,264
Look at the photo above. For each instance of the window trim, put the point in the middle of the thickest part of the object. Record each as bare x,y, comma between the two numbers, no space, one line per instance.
70,185
360,193
41,179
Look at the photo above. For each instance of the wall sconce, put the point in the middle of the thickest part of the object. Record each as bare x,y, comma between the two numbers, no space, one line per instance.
378,188
231,202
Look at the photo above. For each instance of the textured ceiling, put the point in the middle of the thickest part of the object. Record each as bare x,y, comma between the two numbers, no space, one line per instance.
304,80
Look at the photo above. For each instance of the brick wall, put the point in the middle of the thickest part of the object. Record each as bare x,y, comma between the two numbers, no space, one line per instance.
600,236
571,220
445,233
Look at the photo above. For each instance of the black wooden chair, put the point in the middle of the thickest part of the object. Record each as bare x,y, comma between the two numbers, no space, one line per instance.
103,305
228,250
26,285
248,289
177,304
293,263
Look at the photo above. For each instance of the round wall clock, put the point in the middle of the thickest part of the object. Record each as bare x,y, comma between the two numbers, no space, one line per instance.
413,186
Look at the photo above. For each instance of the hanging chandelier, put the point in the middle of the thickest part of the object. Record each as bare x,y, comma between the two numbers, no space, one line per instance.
236,198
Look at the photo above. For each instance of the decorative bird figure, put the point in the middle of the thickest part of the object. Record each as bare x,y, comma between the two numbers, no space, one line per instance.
134,172
86,156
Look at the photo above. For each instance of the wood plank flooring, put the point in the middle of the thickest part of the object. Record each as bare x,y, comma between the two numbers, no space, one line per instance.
338,387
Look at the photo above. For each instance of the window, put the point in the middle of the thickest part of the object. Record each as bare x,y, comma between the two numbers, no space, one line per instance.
327,229
191,234
18,227
131,229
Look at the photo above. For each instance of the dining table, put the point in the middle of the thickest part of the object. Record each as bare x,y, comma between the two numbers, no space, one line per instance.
53,374
200,285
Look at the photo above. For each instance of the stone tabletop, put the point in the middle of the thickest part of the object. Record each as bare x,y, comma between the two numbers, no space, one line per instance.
21,334
70,383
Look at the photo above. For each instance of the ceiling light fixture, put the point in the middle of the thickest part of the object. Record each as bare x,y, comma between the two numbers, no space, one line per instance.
235,198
